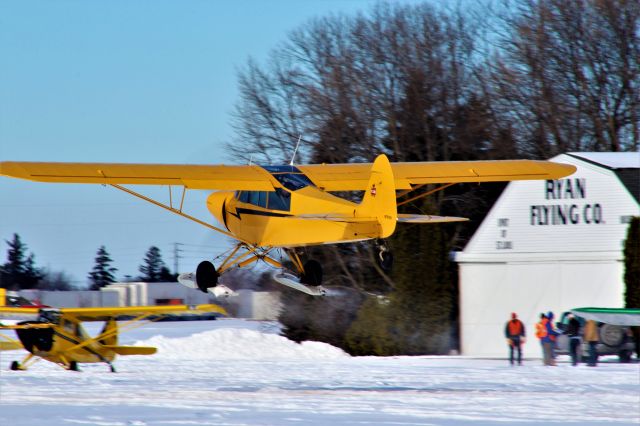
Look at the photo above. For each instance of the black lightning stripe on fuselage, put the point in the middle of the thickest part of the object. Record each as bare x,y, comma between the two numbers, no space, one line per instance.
243,210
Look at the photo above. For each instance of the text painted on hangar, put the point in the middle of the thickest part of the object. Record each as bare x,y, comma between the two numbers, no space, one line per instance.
568,205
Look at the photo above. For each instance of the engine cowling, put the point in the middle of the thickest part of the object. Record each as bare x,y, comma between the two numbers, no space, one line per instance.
216,204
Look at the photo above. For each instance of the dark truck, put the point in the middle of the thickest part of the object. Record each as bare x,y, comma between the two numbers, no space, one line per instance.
614,331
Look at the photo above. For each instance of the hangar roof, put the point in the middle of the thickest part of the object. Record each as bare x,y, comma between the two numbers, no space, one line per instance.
611,160
626,165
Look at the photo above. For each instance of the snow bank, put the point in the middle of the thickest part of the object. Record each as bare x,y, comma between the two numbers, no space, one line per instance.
233,343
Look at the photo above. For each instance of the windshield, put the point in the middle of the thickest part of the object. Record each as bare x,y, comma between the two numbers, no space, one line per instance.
289,176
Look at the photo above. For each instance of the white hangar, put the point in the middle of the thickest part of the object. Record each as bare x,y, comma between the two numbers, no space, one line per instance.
548,246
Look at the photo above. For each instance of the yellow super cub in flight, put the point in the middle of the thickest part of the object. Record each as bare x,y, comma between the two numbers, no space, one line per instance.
270,207
57,334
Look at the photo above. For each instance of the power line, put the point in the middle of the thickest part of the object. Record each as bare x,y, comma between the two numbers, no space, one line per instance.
176,257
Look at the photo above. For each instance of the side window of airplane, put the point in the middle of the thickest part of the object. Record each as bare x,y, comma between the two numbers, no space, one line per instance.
262,199
68,327
254,197
279,200
257,198
243,196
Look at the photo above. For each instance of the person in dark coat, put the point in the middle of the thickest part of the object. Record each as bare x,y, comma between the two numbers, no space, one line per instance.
516,336
552,334
573,332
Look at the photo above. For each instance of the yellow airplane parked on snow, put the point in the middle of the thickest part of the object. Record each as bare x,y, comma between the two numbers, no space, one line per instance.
270,207
57,334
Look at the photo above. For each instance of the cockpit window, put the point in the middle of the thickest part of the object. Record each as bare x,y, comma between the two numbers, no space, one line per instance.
277,200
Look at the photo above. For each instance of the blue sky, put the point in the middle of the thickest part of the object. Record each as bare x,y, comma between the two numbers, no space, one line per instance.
125,81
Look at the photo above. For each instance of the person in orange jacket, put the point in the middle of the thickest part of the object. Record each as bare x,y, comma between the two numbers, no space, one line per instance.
548,340
541,333
516,336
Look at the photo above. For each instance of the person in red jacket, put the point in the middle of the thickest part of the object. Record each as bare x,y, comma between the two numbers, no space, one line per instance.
516,336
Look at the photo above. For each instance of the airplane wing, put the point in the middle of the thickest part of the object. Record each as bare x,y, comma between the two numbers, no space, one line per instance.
103,314
220,177
21,314
349,177
330,177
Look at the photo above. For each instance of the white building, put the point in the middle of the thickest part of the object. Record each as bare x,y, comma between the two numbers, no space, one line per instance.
548,246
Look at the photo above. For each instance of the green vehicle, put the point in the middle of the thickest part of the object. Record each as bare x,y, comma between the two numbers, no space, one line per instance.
614,331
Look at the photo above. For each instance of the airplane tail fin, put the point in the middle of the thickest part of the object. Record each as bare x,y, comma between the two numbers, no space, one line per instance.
379,199
110,330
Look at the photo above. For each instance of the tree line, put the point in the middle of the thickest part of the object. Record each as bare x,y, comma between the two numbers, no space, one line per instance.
516,79
20,271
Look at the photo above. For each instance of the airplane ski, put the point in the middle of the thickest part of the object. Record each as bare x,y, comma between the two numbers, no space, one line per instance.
292,281
188,279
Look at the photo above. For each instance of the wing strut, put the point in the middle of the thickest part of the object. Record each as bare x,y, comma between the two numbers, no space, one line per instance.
176,211
440,188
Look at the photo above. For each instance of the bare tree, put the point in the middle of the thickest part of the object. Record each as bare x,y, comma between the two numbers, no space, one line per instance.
567,74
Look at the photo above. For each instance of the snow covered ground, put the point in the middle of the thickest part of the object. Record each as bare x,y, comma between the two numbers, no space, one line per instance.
233,372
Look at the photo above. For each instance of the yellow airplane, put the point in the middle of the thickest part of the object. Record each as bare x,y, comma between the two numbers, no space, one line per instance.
284,207
57,335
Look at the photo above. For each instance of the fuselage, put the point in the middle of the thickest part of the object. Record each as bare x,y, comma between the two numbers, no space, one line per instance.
57,343
296,213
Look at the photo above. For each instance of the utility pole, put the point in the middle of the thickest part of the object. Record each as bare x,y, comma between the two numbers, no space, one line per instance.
176,257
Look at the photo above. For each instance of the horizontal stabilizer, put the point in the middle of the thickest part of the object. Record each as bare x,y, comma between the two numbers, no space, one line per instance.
426,218
132,350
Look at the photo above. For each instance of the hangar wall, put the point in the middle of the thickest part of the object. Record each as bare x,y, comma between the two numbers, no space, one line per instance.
546,246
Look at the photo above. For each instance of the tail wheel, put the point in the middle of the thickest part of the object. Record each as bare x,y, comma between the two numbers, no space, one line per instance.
385,256
15,366
312,273
385,260
206,276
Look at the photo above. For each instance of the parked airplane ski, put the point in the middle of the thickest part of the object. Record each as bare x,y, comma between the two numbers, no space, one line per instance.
287,207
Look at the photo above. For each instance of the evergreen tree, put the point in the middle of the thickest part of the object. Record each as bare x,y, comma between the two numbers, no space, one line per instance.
19,272
55,280
422,303
102,273
154,269
418,316
371,333
632,273
632,265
